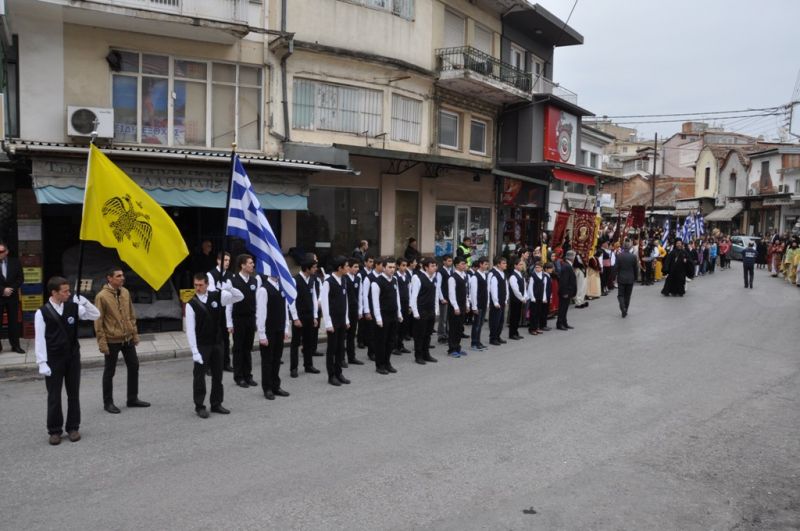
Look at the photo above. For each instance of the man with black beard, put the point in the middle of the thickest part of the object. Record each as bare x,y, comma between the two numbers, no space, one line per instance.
677,266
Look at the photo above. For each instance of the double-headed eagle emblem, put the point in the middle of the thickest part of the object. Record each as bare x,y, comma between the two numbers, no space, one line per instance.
128,223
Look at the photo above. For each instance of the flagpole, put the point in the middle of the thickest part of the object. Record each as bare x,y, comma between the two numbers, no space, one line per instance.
85,185
226,238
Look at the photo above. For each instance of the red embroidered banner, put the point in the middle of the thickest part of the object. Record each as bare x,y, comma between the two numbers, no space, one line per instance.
560,227
584,225
637,215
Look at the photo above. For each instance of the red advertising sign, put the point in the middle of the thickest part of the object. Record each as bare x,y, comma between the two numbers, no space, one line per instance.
560,136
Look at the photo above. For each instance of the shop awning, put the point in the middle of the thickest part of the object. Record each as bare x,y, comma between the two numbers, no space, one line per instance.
726,213
573,177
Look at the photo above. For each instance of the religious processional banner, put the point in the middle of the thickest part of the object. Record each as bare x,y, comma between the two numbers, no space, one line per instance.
559,229
584,228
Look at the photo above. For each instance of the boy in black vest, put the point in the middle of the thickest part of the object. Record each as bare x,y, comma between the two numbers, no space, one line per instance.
243,318
366,307
442,276
204,315
363,328
58,355
304,310
540,290
385,299
458,307
353,283
479,301
274,328
498,297
218,276
404,288
336,319
517,298
425,309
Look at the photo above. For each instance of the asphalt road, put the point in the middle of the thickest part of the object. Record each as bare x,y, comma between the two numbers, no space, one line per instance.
685,415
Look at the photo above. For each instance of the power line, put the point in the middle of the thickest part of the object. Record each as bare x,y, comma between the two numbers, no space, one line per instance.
683,120
564,27
775,108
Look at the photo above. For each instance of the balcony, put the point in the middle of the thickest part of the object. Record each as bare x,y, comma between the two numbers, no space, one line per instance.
222,21
472,72
542,85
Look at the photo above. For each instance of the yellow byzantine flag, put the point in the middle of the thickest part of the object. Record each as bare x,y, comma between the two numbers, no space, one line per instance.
119,214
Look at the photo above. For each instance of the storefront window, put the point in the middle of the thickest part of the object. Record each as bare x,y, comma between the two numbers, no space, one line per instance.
445,229
406,219
336,219
453,224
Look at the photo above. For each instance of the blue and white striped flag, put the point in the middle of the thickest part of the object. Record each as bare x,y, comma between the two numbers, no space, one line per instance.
247,221
665,236
701,224
686,232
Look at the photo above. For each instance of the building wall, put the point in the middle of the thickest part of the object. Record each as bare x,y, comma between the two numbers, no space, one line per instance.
679,153
732,165
706,160
754,181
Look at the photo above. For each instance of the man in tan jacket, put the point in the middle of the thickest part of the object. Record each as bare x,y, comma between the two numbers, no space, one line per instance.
116,332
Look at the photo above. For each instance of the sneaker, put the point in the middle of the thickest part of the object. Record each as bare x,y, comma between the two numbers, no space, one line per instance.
481,347
463,352
454,354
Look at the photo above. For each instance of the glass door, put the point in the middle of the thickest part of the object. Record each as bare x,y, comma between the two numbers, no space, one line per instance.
406,219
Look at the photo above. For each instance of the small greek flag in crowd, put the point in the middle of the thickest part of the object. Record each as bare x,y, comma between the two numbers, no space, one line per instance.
665,236
686,233
247,221
701,224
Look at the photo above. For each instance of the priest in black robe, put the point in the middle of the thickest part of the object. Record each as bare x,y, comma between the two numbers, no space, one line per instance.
677,266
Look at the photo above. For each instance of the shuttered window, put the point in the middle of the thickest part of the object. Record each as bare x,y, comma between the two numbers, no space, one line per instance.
453,30
483,40
331,107
406,119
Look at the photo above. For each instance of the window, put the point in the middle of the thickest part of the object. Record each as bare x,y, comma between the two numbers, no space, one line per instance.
517,57
453,30
448,129
484,41
707,183
401,8
584,157
162,100
406,119
477,137
732,184
325,106
594,161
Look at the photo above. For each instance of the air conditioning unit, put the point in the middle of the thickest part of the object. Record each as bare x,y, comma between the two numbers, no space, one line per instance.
783,188
82,121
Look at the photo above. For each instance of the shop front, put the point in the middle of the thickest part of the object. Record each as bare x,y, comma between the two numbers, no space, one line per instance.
523,212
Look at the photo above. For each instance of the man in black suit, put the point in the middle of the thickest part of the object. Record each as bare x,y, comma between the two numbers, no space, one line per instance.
626,267
10,282
567,288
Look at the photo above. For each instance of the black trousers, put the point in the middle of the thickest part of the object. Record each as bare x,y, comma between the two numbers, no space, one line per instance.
383,343
306,336
244,332
271,361
748,275
404,328
368,326
423,328
514,315
226,345
361,331
496,321
11,305
66,372
334,355
563,307
350,335
538,318
212,357
128,351
624,296
477,326
455,325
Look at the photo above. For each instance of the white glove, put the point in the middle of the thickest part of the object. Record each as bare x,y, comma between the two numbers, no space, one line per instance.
227,285
44,369
79,299
197,357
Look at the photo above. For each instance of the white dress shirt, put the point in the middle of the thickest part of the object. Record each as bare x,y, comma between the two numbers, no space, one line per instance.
517,285
473,289
375,293
364,293
416,286
542,276
358,295
228,297
229,307
439,278
451,291
86,312
327,320
315,302
493,291
262,300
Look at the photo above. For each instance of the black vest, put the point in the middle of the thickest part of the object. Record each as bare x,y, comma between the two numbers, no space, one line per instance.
461,293
276,309
207,318
520,285
220,277
387,299
539,287
304,303
61,331
337,301
352,293
501,286
372,277
483,291
246,308
403,288
445,284
426,298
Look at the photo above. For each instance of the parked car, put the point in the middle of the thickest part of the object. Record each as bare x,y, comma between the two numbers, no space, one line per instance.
738,244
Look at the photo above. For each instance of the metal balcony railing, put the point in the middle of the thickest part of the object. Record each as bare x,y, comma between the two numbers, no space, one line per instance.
474,60
542,85
222,10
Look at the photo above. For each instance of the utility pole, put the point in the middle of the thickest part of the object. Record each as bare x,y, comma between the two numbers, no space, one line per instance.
653,184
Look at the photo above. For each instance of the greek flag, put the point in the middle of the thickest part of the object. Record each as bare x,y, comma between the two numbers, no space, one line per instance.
701,224
665,236
686,232
247,221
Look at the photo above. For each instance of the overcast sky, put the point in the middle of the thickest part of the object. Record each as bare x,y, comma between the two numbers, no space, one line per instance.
673,56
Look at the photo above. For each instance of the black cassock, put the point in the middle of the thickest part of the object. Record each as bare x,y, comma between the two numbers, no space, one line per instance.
676,265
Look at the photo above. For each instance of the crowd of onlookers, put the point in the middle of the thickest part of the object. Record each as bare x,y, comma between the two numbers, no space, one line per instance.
781,256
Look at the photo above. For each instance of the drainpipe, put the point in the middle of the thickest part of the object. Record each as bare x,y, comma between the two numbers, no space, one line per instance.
286,131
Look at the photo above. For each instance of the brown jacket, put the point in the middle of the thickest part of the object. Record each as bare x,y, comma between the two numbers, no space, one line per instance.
117,322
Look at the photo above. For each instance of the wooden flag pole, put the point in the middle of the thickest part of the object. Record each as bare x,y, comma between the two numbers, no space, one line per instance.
227,240
82,243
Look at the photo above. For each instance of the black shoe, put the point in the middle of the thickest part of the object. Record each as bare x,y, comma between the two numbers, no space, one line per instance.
345,364
138,403
559,327
407,338
281,392
355,361
202,413
208,371
420,361
404,350
293,373
227,368
18,350
219,409
382,371
396,352
515,337
431,346
334,381
318,355
391,369
342,379
569,327
252,383
442,340
242,383
545,328
371,357
464,336
312,370
501,340
482,346
624,314
269,395
361,345
495,342
430,359
111,408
